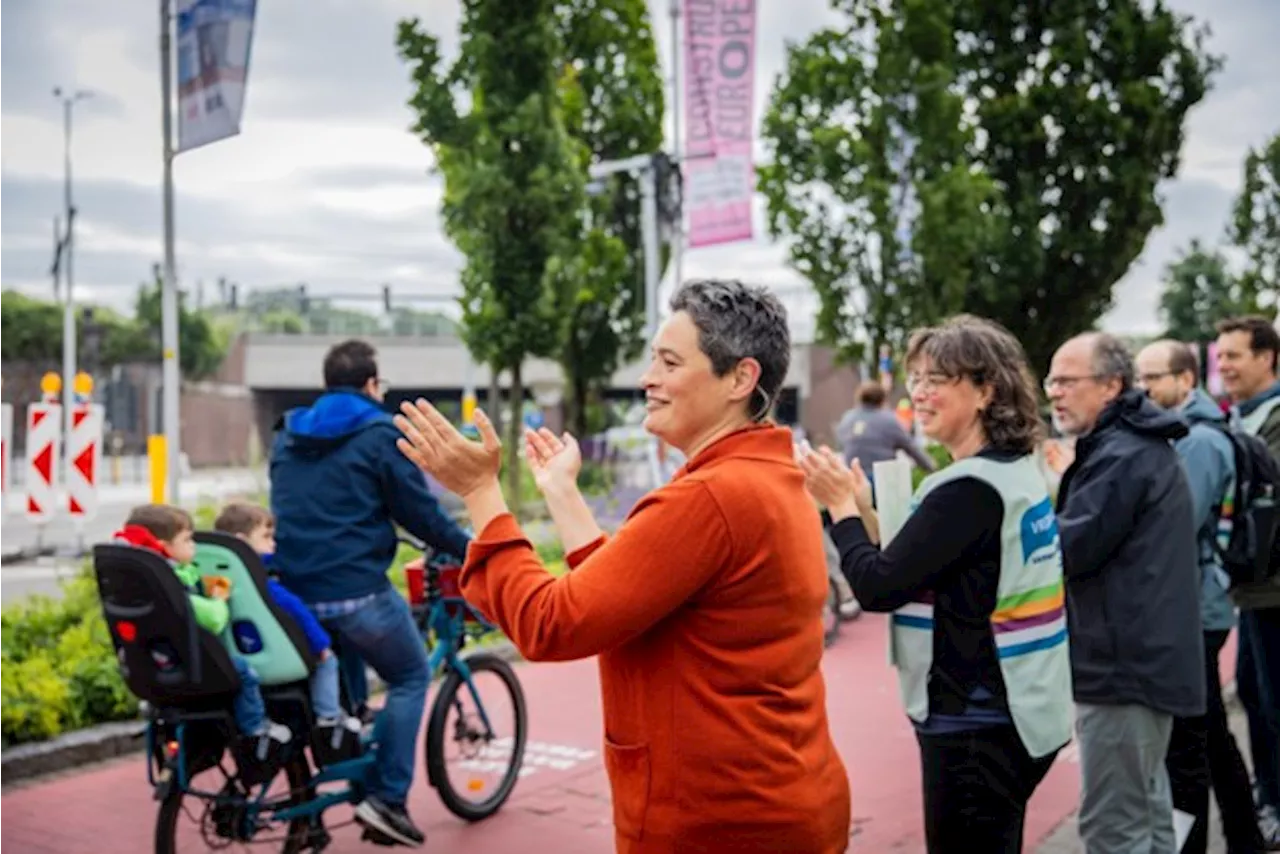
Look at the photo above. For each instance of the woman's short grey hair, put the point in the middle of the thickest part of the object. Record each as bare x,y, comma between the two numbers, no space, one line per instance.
1112,360
736,322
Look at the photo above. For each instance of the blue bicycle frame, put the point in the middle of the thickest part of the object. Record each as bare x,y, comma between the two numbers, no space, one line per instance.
444,618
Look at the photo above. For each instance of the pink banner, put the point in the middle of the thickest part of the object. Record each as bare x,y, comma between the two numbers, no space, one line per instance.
720,66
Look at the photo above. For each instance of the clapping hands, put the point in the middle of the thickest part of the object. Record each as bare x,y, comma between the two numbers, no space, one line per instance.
554,460
437,448
844,490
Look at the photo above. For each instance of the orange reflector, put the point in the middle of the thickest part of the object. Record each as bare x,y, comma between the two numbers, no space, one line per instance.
171,749
475,785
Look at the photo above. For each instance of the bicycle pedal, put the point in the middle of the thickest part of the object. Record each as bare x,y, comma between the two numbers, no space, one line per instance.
377,837
317,840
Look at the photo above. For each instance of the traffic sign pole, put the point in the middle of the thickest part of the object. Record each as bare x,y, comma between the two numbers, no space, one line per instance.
6,453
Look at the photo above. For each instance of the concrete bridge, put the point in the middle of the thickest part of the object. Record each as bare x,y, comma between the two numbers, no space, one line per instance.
284,371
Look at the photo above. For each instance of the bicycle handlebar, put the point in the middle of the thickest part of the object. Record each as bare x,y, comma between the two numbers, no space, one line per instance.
429,553
412,542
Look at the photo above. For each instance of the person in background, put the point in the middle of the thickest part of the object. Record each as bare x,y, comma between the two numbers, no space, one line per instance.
870,433
170,532
338,489
974,582
705,608
1203,755
1128,529
1248,348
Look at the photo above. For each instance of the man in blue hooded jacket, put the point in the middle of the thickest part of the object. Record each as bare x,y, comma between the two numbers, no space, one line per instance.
1203,754
338,487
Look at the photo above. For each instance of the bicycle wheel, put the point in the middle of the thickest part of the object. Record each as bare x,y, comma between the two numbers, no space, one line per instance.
169,839
492,760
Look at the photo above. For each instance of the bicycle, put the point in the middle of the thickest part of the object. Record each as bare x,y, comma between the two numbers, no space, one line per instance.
185,680
448,623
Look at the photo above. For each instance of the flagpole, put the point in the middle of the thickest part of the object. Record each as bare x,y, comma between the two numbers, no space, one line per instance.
677,148
171,380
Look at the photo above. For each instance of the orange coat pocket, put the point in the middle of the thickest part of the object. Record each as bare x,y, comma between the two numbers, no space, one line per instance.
629,777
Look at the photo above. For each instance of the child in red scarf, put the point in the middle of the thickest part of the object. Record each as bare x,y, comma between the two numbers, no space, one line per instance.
170,532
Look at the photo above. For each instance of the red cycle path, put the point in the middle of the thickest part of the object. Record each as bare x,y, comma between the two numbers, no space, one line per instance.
563,805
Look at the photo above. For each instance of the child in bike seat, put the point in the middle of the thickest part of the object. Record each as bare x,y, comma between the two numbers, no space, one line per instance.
169,531
256,526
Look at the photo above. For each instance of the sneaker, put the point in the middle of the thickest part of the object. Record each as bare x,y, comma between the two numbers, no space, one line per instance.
334,740
377,837
270,738
349,723
390,820
850,610
1269,825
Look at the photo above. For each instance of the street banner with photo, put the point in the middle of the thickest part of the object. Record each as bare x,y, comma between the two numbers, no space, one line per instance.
214,39
719,98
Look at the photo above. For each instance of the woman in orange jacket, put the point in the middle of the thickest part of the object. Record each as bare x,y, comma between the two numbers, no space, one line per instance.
704,608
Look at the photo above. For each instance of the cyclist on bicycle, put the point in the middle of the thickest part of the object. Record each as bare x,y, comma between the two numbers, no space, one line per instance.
338,487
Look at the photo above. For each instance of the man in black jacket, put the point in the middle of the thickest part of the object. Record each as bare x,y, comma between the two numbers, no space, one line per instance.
1133,593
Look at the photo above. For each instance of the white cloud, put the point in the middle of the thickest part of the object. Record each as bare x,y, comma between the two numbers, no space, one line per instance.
326,184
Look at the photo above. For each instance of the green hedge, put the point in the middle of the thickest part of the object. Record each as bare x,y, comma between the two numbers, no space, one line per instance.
59,671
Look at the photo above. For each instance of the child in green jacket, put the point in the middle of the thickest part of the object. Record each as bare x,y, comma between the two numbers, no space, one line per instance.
170,532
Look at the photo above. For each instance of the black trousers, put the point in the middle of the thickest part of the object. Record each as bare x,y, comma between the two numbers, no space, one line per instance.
976,788
1203,755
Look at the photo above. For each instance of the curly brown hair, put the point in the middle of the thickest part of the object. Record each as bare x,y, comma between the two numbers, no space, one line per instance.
988,355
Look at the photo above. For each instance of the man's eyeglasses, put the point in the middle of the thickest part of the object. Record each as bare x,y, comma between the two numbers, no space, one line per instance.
1148,379
1051,384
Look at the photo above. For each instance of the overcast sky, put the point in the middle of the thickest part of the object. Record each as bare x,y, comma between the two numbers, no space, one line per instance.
325,185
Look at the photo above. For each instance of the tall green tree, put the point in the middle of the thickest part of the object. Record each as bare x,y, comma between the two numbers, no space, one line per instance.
1084,108
1071,114
32,331
1255,226
1198,291
871,180
594,313
513,178
200,349
612,101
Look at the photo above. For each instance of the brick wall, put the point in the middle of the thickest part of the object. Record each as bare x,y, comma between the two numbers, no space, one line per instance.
831,391
218,426
217,418
22,386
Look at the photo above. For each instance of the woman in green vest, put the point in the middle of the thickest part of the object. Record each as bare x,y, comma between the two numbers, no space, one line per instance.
973,581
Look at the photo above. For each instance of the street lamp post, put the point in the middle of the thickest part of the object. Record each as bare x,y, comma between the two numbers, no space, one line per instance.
677,148
643,167
68,99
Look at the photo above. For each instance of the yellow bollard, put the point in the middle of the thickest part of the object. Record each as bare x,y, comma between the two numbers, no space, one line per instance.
158,459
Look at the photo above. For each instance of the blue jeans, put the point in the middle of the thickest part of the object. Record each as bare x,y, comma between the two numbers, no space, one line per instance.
248,708
355,674
383,634
324,688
